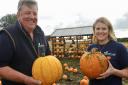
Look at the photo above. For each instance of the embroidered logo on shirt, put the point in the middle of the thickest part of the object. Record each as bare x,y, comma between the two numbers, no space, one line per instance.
109,54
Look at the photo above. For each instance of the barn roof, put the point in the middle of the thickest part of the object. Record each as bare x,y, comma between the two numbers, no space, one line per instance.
73,31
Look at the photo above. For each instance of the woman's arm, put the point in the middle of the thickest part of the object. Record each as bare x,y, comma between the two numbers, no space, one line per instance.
121,73
113,71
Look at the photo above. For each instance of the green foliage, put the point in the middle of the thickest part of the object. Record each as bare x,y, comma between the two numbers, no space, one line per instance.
122,39
7,20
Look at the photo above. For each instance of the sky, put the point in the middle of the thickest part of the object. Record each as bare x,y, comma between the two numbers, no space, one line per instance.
55,14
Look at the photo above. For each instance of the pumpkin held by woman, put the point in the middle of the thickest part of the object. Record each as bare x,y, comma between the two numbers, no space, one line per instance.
47,69
93,63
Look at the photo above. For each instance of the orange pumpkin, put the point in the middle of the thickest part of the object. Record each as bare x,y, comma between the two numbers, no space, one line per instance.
65,64
93,63
75,70
84,82
47,69
0,82
65,77
54,84
85,77
66,68
71,69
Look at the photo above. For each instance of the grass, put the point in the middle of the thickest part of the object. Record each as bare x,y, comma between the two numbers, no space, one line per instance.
73,77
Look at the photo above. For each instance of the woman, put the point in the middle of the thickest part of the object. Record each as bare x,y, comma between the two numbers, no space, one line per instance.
104,39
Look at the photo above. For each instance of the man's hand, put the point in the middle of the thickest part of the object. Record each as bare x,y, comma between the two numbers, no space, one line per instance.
31,81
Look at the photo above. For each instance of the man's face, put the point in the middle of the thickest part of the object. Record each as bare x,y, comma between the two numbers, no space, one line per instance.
27,16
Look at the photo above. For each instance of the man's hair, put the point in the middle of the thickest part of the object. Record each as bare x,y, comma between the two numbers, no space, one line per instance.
28,3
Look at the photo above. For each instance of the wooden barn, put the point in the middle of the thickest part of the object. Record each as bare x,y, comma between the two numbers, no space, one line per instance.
71,42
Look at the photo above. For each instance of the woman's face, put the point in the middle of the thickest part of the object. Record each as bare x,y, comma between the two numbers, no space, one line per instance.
101,32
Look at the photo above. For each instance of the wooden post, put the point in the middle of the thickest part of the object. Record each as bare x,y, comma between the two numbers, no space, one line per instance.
64,46
77,44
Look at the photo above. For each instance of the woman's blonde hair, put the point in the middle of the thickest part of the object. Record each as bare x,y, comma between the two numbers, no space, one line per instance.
108,24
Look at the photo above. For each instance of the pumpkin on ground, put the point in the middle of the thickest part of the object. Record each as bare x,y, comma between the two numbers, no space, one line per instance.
65,64
0,82
65,77
54,84
84,82
47,69
93,63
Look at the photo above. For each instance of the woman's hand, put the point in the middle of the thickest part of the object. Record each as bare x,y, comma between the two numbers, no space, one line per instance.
109,72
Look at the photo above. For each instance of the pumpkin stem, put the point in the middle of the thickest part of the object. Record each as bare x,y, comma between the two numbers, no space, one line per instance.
93,50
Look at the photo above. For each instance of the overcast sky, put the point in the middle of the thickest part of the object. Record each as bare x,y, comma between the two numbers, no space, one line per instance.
69,13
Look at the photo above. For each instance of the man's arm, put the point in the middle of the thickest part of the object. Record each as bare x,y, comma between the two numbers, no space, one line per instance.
13,75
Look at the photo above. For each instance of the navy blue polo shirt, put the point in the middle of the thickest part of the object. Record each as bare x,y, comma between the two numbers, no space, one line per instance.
119,60
21,56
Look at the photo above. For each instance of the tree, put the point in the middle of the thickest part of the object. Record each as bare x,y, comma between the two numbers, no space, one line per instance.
122,39
7,20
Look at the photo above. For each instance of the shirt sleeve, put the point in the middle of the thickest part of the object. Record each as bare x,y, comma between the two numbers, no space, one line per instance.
6,49
123,56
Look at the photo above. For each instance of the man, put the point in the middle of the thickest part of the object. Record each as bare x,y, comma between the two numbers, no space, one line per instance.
19,46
